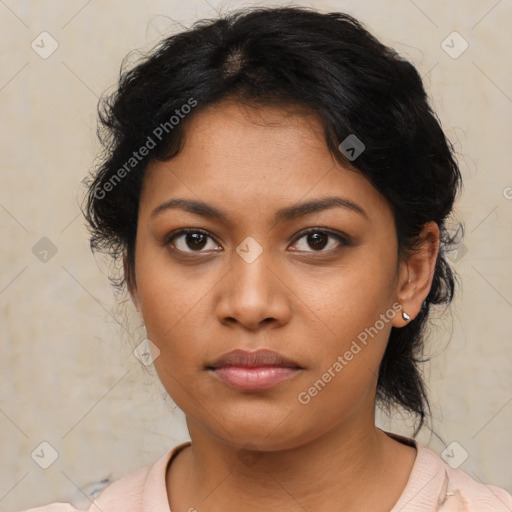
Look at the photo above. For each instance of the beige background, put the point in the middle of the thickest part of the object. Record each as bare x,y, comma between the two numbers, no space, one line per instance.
67,372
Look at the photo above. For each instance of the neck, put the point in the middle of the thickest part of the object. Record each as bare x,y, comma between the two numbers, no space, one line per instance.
345,469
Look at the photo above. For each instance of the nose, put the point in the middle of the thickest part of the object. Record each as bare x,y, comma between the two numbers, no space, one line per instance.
254,295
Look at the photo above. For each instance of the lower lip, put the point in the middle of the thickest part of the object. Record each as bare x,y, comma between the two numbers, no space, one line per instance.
254,379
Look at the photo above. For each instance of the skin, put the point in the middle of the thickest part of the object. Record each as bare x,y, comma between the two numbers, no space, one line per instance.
307,302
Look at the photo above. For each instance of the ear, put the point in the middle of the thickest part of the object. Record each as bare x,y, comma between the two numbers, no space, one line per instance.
132,288
416,274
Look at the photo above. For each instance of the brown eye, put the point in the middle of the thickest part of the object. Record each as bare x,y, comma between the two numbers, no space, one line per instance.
190,240
195,241
318,239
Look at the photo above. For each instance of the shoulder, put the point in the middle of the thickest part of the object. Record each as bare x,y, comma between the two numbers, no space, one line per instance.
123,494
435,485
132,493
480,497
462,492
144,489
54,507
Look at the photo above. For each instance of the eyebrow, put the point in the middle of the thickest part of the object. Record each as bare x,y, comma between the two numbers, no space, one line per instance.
284,214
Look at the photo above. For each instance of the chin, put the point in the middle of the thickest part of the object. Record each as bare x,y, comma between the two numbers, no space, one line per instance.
267,431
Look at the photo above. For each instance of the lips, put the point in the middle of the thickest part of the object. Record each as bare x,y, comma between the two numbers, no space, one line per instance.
256,359
253,371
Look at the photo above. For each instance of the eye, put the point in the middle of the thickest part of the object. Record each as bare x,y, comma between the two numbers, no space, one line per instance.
318,239
194,240
191,238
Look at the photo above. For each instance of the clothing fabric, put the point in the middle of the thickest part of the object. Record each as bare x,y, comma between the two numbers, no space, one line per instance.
433,486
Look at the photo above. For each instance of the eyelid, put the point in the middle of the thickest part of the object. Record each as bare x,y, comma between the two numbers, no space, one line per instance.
344,239
183,231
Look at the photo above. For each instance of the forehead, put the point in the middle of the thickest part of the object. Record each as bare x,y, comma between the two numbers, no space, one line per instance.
247,135
252,158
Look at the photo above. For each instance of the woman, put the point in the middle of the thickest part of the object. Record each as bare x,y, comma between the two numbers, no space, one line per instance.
277,185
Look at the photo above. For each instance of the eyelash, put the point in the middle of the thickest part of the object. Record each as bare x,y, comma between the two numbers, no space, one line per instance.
343,240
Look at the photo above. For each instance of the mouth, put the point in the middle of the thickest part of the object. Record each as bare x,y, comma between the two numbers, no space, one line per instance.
253,371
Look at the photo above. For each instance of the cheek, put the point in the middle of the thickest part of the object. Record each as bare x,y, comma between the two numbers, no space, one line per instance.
170,307
166,291
352,296
355,304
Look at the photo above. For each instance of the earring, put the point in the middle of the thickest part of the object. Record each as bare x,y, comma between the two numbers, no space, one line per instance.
405,316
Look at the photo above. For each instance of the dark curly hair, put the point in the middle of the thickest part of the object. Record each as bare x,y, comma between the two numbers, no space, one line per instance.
326,64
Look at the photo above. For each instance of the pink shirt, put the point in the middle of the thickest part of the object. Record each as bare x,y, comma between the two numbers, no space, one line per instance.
433,486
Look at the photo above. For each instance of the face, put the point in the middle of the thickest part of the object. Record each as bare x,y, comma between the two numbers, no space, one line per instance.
318,285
